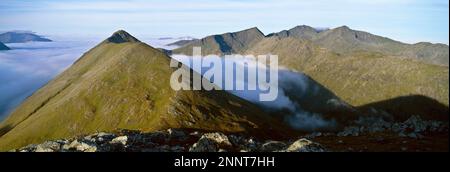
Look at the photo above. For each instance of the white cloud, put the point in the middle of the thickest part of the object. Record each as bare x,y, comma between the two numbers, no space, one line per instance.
290,84
30,65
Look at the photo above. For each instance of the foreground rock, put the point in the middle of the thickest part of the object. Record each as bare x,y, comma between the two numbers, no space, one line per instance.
211,142
414,127
366,134
304,145
171,140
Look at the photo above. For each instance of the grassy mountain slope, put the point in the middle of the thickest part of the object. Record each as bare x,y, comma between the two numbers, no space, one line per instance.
362,77
346,41
362,68
227,43
123,83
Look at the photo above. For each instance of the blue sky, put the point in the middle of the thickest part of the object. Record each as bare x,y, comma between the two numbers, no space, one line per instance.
404,20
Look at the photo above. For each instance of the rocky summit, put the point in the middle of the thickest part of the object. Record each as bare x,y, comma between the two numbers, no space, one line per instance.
121,36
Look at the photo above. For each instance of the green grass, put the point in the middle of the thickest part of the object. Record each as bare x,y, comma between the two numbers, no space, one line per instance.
360,78
126,86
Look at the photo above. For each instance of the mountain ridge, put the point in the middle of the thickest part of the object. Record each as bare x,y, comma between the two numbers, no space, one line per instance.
301,31
226,43
125,86
359,70
396,76
21,37
343,40
121,36
347,41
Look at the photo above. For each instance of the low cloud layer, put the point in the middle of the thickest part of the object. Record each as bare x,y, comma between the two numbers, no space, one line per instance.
29,66
294,90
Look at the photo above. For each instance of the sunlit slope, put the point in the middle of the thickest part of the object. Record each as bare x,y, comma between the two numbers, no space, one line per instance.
123,83
361,68
361,77
346,41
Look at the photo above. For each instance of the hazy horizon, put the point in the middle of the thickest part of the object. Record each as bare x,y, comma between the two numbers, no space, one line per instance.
408,21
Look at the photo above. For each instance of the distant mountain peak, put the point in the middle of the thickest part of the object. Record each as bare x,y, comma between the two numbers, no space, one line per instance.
343,28
300,31
253,29
226,43
21,37
128,86
121,36
3,47
303,27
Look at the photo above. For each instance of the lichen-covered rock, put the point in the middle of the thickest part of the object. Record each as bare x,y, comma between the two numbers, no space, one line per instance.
80,146
177,140
218,138
211,142
48,146
29,148
204,145
305,145
120,140
272,146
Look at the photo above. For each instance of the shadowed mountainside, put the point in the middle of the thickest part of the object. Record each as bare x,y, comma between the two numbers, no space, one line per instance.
360,78
359,67
406,106
3,47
